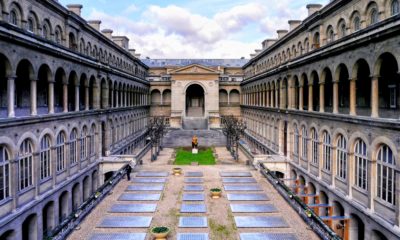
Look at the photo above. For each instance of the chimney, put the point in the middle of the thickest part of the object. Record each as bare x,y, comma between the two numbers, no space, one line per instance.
107,33
132,51
75,8
312,8
137,55
95,24
268,43
294,24
281,33
258,51
253,55
121,41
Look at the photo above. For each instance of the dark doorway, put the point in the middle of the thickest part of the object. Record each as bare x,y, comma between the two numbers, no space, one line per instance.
195,101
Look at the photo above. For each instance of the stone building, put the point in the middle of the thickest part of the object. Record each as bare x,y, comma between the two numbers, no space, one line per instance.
194,93
69,94
325,94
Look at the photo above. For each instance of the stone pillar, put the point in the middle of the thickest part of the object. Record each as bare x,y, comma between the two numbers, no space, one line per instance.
336,97
77,98
104,100
10,96
87,89
283,97
96,97
36,172
310,98
291,95
353,96
301,100
33,98
262,98
267,98
65,97
375,96
277,96
112,97
322,97
116,98
371,183
51,97
272,98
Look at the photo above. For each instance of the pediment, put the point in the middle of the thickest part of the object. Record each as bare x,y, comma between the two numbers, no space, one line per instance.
194,69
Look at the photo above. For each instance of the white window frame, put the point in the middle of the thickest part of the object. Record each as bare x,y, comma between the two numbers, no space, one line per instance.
315,147
60,152
361,160
25,165
4,172
45,158
327,151
386,183
341,157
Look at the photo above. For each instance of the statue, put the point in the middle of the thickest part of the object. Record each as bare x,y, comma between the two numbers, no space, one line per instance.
194,142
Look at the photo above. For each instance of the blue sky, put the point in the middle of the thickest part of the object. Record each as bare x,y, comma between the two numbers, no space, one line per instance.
195,28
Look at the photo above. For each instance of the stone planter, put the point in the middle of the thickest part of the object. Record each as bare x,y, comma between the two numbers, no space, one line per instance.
160,233
216,193
177,171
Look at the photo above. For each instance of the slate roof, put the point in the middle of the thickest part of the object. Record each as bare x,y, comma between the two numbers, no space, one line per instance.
204,62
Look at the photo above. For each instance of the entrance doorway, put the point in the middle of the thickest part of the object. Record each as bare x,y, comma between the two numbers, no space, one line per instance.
195,101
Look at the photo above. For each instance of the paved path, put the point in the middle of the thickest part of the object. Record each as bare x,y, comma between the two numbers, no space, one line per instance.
267,212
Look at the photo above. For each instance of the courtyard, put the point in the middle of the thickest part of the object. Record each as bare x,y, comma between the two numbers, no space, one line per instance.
250,208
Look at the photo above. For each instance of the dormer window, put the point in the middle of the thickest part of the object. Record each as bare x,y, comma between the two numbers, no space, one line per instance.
13,18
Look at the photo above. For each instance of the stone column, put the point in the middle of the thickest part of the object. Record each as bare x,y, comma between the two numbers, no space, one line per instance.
10,96
112,97
87,89
336,97
283,97
33,98
77,98
36,172
375,96
116,98
353,96
51,97
277,96
272,98
104,100
96,97
301,100
321,97
262,98
310,98
65,97
291,95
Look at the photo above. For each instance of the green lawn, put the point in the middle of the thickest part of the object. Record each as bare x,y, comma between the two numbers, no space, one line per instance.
185,157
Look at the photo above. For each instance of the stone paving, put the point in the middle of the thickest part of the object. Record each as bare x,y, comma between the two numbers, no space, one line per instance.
259,213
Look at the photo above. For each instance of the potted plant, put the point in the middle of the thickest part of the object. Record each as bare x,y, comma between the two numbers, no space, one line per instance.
216,192
160,233
177,171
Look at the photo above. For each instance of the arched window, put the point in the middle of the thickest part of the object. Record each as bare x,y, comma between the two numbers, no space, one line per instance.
314,150
84,143
60,151
330,35
92,139
304,141
357,23
25,164
31,25
57,35
327,151
296,143
386,173
45,158
73,151
14,18
4,173
316,40
360,156
45,31
341,157
374,15
395,8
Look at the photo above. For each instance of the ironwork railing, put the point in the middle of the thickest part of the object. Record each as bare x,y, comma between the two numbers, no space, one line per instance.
313,220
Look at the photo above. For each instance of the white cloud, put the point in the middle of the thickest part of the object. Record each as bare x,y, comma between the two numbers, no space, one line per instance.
176,32
131,9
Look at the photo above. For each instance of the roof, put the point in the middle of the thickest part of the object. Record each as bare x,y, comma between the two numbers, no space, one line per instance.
204,62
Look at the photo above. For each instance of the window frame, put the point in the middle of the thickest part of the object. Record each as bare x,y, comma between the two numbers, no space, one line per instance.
361,164
45,157
5,184
341,157
383,165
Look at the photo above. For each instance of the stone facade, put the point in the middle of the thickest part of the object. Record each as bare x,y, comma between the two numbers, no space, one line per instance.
218,79
69,95
326,96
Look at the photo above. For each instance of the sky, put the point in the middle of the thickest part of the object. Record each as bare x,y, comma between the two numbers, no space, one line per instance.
194,28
